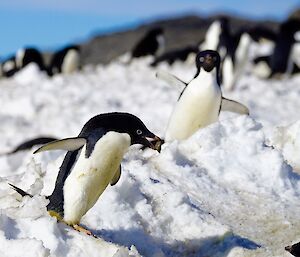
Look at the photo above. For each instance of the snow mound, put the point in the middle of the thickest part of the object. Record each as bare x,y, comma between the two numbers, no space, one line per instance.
287,139
222,192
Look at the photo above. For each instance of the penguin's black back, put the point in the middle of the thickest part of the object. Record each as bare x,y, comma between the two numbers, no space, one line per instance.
284,42
175,55
58,58
32,55
258,33
148,45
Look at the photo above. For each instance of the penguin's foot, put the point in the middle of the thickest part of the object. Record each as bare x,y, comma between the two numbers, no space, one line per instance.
82,229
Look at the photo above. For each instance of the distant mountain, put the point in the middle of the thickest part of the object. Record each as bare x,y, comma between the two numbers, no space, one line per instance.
180,32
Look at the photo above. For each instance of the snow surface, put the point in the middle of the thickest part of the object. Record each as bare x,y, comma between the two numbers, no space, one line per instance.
223,192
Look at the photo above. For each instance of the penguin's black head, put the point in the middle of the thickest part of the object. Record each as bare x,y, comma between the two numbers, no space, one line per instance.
294,249
208,60
123,123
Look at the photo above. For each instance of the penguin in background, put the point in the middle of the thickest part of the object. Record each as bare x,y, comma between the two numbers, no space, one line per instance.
236,59
23,57
201,100
92,162
260,34
218,37
9,67
153,43
281,61
171,57
65,60
212,36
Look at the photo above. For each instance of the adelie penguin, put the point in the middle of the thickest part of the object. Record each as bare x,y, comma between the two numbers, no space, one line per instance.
23,57
92,162
294,249
281,61
65,60
153,43
201,100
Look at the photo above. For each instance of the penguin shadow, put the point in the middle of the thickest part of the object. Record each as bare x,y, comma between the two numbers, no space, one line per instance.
9,227
148,245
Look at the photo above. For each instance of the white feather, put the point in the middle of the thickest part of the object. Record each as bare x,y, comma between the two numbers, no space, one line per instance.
261,70
90,176
20,57
198,107
228,73
212,36
8,65
231,73
161,45
71,62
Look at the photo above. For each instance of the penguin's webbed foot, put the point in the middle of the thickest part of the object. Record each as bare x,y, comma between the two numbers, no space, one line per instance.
79,228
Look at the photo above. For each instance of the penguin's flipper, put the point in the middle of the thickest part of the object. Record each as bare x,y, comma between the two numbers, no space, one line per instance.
171,80
116,177
68,144
19,190
233,106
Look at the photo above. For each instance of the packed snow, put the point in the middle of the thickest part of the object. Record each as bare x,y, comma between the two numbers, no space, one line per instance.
232,189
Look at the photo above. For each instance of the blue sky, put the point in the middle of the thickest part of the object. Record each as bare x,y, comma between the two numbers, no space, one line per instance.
48,24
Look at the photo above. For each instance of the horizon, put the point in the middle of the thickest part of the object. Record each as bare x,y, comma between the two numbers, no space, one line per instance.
48,25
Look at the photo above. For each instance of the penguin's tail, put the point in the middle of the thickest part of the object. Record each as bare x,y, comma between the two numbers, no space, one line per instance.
20,191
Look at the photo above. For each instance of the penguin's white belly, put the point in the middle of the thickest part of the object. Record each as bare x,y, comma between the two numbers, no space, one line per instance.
71,62
90,176
198,107
228,74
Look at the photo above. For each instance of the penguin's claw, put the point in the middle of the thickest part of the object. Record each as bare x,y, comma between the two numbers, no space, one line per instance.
82,229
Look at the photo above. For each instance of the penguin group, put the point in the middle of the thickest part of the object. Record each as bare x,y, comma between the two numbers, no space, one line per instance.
65,60
235,47
93,159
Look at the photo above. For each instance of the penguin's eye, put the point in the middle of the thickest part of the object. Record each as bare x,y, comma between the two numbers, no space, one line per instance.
139,132
201,59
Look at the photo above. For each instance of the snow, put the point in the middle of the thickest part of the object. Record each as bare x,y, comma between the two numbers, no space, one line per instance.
231,189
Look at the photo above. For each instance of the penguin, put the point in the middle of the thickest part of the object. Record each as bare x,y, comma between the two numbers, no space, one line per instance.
261,66
201,100
294,249
283,45
65,60
281,61
153,43
28,144
9,67
261,34
212,36
175,55
218,37
236,59
92,162
24,56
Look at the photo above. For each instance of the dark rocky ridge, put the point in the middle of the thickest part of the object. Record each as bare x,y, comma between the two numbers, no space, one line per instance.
179,32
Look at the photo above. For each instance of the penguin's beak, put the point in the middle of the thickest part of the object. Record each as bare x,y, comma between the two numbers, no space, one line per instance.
155,142
208,64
